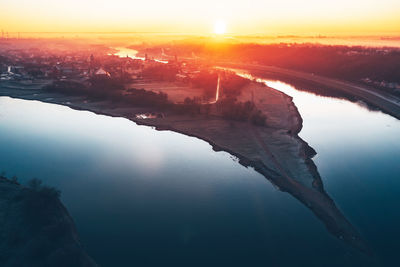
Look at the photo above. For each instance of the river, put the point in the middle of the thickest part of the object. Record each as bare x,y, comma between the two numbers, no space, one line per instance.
150,198
132,53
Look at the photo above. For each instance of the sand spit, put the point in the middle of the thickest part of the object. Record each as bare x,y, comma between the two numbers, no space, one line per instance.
276,151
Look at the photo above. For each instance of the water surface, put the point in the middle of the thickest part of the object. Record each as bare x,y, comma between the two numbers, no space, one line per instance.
150,198
358,153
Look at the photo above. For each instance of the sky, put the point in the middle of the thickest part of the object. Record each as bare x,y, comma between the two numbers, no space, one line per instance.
199,17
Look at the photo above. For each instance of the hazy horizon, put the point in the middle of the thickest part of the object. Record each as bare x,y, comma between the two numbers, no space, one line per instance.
261,17
199,133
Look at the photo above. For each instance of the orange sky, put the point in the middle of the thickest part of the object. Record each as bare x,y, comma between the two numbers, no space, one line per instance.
241,17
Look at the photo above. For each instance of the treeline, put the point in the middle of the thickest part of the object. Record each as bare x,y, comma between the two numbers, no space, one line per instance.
231,84
111,91
206,81
352,63
247,111
349,63
161,72
4,62
227,108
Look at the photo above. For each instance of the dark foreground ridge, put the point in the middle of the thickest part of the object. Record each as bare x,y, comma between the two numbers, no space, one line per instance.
36,229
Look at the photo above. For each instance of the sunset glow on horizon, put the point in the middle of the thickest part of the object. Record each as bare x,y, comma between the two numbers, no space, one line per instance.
257,17
220,27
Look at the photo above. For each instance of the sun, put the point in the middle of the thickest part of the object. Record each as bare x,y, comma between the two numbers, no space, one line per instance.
219,27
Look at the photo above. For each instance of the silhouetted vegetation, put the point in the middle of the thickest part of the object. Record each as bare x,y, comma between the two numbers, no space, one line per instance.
39,202
67,87
36,228
232,84
352,63
228,107
102,82
247,111
190,106
100,85
37,186
111,91
143,97
161,72
207,81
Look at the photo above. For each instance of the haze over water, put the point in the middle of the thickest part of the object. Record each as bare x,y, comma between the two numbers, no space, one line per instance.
144,197
357,157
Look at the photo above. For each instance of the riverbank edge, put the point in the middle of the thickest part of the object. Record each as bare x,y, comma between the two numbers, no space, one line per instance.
280,181
306,152
295,78
51,225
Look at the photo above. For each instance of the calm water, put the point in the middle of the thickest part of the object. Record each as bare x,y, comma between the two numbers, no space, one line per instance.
359,161
149,198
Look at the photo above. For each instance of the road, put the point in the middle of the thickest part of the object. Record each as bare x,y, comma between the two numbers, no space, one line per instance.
382,100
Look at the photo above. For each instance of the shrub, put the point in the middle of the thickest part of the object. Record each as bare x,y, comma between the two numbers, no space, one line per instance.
233,84
46,191
247,111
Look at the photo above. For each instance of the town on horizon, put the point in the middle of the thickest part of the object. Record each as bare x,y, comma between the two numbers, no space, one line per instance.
212,133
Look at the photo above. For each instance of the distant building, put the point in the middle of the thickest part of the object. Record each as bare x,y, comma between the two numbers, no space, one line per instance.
102,72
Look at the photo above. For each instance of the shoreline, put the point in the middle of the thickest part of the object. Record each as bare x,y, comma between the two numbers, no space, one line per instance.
277,152
32,217
386,103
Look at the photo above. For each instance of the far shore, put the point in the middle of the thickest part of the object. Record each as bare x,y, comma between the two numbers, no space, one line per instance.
385,102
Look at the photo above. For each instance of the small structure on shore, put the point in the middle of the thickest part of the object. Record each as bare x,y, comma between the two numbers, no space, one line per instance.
102,72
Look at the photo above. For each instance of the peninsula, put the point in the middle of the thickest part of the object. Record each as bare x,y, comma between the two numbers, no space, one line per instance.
257,124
